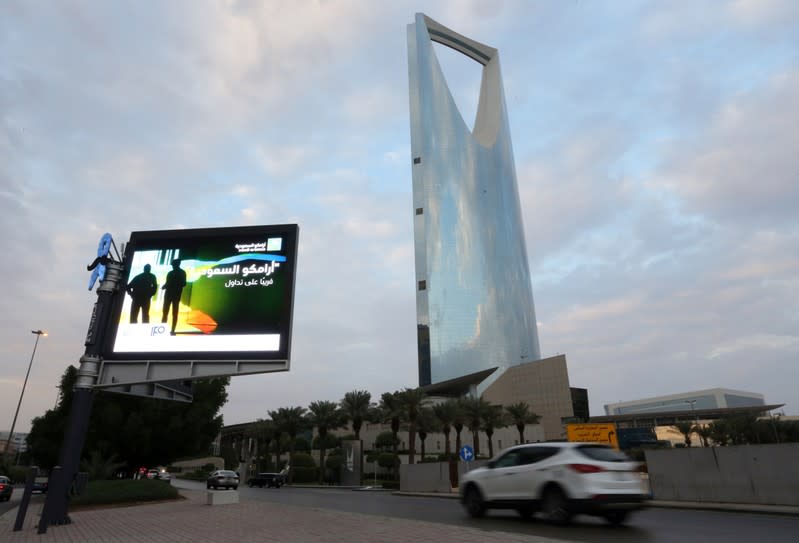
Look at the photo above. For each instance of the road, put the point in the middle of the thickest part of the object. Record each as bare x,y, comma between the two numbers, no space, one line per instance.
652,525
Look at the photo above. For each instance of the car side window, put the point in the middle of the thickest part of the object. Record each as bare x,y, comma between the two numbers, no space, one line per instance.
509,459
536,454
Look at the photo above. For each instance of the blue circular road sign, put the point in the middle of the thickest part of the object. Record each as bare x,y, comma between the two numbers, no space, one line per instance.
466,453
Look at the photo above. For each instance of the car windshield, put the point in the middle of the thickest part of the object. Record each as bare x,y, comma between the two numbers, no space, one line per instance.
602,453
227,473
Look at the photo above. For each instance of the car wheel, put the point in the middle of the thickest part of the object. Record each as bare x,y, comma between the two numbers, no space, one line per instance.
555,506
474,503
525,511
616,518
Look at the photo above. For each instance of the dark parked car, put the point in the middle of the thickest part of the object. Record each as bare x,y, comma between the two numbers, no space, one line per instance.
40,484
268,480
223,478
6,488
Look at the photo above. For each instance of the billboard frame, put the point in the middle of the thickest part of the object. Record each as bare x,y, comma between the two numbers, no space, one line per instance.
208,363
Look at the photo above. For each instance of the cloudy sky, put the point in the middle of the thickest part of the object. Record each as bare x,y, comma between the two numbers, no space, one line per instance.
657,153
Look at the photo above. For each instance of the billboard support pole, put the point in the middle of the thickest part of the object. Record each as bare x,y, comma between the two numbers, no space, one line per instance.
60,487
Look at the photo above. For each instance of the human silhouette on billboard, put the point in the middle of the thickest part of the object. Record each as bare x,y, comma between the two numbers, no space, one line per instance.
141,289
173,288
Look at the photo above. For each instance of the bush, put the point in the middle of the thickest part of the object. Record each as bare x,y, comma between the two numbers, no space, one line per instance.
334,462
303,460
388,460
120,491
386,440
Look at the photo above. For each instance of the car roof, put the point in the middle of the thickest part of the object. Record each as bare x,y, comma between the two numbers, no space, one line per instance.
558,444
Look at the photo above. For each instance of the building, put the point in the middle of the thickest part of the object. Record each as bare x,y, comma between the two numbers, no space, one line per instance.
709,399
474,298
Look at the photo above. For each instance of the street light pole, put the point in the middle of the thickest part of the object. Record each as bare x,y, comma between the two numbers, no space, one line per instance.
39,334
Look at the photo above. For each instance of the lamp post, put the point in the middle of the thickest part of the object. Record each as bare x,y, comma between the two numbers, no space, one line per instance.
39,334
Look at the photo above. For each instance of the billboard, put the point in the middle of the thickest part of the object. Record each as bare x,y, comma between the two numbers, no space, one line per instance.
206,294
593,433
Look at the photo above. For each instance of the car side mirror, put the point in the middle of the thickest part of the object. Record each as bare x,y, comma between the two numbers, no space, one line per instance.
491,464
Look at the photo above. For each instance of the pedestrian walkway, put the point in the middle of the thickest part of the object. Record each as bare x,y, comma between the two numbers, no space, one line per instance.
192,521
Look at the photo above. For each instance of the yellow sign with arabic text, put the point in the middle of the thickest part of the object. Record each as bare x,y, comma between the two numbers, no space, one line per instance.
594,433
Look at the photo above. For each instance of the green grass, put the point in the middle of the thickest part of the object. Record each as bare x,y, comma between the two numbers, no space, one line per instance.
124,491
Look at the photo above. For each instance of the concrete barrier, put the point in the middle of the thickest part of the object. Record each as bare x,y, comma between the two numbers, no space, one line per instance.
752,474
222,497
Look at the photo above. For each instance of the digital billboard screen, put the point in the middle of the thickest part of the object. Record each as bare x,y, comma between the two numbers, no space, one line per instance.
206,294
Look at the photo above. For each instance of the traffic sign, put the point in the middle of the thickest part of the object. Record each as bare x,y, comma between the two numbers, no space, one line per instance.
466,453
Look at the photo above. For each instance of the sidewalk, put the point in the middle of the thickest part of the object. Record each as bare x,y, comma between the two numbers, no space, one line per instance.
192,521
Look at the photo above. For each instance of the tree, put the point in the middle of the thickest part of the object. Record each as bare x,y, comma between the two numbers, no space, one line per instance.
325,416
521,416
703,431
291,421
685,428
139,431
474,410
263,432
411,401
457,423
446,413
494,417
391,412
426,422
356,407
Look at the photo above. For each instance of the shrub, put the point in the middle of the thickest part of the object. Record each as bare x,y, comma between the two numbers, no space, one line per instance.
303,460
386,440
388,460
118,491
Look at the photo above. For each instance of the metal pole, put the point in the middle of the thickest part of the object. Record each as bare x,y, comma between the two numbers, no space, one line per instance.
56,505
38,333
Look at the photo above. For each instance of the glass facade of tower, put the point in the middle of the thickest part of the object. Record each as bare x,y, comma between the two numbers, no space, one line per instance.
474,299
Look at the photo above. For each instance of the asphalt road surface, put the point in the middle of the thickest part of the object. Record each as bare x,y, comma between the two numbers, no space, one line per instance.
650,525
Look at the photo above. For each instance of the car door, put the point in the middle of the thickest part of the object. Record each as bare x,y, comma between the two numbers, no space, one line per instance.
503,475
538,470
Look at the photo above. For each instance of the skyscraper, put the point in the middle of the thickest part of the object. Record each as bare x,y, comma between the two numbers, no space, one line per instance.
474,300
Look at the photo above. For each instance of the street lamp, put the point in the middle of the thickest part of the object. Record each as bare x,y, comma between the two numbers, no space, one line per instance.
39,334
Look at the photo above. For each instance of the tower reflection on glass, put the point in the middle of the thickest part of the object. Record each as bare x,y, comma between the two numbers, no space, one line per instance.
39,333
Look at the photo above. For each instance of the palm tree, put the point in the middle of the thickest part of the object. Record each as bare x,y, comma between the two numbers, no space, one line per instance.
356,407
685,428
325,416
446,413
458,423
703,431
291,421
263,434
390,411
411,401
277,435
426,422
475,409
521,416
493,418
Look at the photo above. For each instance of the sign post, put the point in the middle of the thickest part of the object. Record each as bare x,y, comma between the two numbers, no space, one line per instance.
55,507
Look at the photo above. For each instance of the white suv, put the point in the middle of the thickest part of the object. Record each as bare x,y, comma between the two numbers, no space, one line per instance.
559,479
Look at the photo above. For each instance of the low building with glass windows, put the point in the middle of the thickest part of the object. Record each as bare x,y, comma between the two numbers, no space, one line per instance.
700,400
